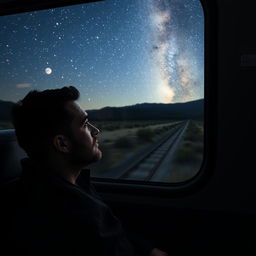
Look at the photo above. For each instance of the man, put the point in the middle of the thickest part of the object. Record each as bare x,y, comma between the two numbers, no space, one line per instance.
59,211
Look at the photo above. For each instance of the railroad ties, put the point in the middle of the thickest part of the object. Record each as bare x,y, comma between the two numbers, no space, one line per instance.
147,166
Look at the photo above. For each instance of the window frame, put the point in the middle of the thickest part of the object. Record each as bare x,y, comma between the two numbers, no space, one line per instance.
204,174
201,179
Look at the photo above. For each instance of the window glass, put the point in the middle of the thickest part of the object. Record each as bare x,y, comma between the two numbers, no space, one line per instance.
139,66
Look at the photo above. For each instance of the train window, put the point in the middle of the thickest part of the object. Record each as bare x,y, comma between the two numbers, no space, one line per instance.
139,66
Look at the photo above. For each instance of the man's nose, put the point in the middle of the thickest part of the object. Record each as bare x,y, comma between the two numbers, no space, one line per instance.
94,130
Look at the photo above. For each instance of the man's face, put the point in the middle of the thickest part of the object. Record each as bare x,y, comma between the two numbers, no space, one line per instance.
84,142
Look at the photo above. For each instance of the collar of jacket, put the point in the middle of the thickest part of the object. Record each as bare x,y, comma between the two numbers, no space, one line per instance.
32,170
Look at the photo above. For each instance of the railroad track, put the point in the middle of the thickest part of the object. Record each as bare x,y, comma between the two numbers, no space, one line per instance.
146,167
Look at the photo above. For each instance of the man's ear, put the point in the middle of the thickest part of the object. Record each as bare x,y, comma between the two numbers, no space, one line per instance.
61,143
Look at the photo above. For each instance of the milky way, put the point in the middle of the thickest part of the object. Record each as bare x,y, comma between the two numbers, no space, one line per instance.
115,52
178,37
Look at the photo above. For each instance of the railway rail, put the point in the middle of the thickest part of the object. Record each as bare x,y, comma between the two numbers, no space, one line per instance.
146,167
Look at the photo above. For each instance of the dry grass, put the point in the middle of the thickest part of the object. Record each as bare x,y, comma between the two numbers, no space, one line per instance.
189,156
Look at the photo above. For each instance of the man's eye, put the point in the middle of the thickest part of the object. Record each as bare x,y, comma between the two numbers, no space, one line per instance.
85,124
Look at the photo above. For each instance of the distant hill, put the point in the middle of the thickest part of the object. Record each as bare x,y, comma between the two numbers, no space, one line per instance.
151,111
144,111
5,110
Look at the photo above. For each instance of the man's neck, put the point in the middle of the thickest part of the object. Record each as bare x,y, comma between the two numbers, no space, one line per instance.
72,177
64,170
68,174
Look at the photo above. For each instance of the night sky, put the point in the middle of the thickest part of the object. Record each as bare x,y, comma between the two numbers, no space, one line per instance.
117,52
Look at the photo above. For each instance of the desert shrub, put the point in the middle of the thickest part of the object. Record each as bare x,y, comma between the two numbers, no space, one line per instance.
111,127
158,130
107,141
187,144
123,142
185,155
145,134
199,147
193,133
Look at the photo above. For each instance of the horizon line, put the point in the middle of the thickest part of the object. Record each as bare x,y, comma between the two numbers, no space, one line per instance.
89,109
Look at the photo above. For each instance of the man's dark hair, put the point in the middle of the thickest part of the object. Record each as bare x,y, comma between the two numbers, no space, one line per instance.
40,116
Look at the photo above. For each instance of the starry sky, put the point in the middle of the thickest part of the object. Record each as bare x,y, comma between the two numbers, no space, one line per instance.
116,52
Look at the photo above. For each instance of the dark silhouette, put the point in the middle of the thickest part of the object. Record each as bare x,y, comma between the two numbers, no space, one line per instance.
57,209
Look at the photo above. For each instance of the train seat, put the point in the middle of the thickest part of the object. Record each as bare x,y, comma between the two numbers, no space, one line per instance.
10,155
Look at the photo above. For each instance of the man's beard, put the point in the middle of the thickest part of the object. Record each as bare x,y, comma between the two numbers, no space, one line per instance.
79,157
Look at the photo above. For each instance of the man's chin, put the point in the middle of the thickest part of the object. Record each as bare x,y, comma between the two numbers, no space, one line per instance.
85,161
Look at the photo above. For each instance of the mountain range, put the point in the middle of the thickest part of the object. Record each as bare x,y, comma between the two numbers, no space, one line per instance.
151,111
144,111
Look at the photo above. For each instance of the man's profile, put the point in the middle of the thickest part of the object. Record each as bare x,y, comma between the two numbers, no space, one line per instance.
59,210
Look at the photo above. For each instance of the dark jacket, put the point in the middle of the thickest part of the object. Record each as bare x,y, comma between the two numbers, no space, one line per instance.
55,217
